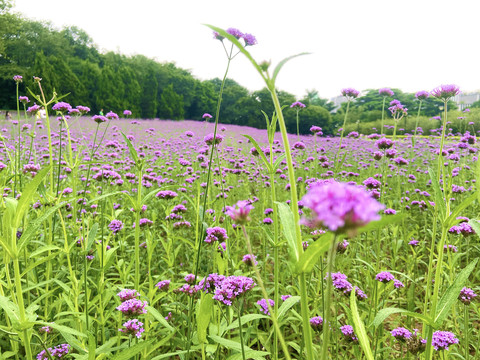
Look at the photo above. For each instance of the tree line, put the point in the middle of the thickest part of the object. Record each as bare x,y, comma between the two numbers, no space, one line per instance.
68,61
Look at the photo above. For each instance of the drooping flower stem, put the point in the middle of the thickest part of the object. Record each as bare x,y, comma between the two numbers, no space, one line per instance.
383,115
328,300
307,333
239,313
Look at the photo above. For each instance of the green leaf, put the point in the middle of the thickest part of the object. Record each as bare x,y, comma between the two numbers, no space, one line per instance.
288,225
132,351
360,327
240,47
133,152
384,313
10,309
204,312
383,222
154,312
250,354
30,229
97,199
456,212
229,344
277,162
260,152
283,62
91,236
287,304
245,319
61,328
310,257
438,193
451,295
28,194
475,226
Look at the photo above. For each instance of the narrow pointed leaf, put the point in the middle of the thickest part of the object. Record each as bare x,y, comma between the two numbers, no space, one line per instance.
260,152
283,62
310,256
288,225
360,328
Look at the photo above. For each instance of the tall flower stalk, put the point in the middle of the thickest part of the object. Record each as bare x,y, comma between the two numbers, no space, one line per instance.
385,92
297,105
421,96
443,93
350,94
398,111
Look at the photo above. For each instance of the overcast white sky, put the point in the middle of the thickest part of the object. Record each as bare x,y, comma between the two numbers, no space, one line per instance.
410,44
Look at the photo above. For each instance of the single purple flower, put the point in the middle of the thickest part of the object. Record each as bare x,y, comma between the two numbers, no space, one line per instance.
445,92
239,213
422,95
350,93
386,92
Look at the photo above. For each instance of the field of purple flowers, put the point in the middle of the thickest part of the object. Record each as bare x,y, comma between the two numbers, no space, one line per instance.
126,238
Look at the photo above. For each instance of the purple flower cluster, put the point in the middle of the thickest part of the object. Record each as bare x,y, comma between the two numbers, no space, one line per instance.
263,305
250,260
133,327
347,331
384,277
445,92
422,95
462,229
384,143
166,194
350,93
133,307
467,295
317,323
317,130
239,213
210,139
115,226
443,339
56,352
386,92
340,206
297,105
401,334
216,234
163,285
231,287
62,107
127,294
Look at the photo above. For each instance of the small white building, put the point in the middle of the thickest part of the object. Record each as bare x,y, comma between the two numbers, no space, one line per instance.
465,100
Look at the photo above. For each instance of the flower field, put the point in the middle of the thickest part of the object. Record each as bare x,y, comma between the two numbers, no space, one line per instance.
128,238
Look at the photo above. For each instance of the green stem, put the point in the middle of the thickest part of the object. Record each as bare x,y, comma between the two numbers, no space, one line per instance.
383,116
341,135
21,308
240,330
328,296
414,138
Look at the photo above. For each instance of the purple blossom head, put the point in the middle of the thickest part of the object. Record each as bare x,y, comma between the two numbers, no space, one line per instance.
83,109
133,307
297,105
445,92
62,107
347,331
249,39
133,327
443,339
264,306
99,118
401,334
317,130
316,323
207,116
340,207
398,284
239,213
384,143
57,352
462,229
350,93
18,78
127,112
413,242
210,139
250,260
235,33
127,294
32,110
422,95
397,109
466,295
386,92
216,234
111,116
163,285
166,194
384,277
115,226
24,99
231,287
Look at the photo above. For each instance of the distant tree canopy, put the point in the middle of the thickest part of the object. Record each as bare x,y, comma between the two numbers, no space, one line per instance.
69,62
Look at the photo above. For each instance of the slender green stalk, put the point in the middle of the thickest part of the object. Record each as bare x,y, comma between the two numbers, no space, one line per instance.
383,115
137,228
414,137
21,308
328,300
341,135
466,325
298,131
239,313
307,332
273,315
